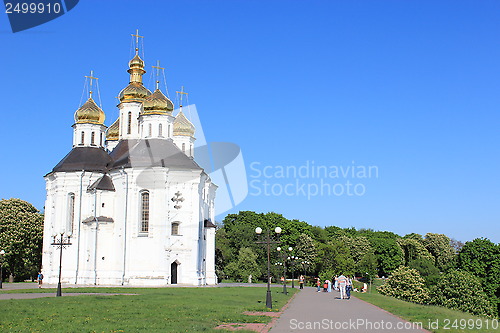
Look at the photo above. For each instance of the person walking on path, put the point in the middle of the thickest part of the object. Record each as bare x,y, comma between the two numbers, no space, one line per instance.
348,288
301,282
342,284
329,289
40,279
318,284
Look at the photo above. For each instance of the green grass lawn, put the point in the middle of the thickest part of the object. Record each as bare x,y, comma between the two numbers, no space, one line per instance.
153,310
448,320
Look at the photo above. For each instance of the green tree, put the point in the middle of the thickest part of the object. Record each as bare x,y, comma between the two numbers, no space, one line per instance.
427,269
359,246
389,254
244,266
334,257
367,266
439,246
319,234
413,250
305,248
406,284
481,257
414,236
21,234
461,290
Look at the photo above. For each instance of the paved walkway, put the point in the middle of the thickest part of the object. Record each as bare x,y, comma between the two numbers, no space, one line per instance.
311,311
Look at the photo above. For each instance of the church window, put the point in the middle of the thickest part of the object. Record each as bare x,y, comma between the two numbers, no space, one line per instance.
150,130
82,138
168,134
144,212
175,228
184,148
92,138
71,211
190,150
129,123
100,139
160,130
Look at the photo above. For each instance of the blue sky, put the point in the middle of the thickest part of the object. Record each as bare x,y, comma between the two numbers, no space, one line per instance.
411,87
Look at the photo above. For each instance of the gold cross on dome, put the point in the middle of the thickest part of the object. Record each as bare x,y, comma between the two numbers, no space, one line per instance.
158,68
137,40
181,93
91,77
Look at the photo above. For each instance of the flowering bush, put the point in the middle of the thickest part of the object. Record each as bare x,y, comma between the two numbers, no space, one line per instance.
461,290
406,284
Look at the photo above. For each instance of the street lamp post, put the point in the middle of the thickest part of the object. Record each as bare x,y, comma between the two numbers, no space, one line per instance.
61,243
292,267
1,265
305,266
268,241
284,267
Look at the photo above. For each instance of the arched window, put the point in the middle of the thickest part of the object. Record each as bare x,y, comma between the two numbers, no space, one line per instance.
82,138
160,130
144,212
71,211
150,130
129,123
101,137
190,150
184,148
92,138
168,134
175,228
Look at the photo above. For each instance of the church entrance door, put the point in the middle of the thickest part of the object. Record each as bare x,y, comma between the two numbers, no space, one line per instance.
173,272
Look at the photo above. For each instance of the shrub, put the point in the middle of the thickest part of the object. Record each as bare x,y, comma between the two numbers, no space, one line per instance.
461,290
427,270
406,284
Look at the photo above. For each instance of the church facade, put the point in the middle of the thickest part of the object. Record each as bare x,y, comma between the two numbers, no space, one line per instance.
136,205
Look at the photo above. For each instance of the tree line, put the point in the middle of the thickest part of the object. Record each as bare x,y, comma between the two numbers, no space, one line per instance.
364,253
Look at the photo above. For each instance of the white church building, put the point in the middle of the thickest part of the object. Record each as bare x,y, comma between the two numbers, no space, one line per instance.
138,207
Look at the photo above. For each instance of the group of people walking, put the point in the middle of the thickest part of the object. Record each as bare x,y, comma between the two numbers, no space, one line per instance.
341,283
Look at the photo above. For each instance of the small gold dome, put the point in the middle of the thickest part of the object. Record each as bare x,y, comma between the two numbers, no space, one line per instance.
89,113
182,126
136,62
135,91
113,132
157,103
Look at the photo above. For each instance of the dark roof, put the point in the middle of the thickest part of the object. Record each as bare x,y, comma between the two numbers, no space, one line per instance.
127,154
150,153
209,224
99,219
105,183
84,158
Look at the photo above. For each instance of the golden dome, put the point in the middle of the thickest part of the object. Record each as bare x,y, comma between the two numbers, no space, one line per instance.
113,132
90,113
157,103
182,126
135,91
136,62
